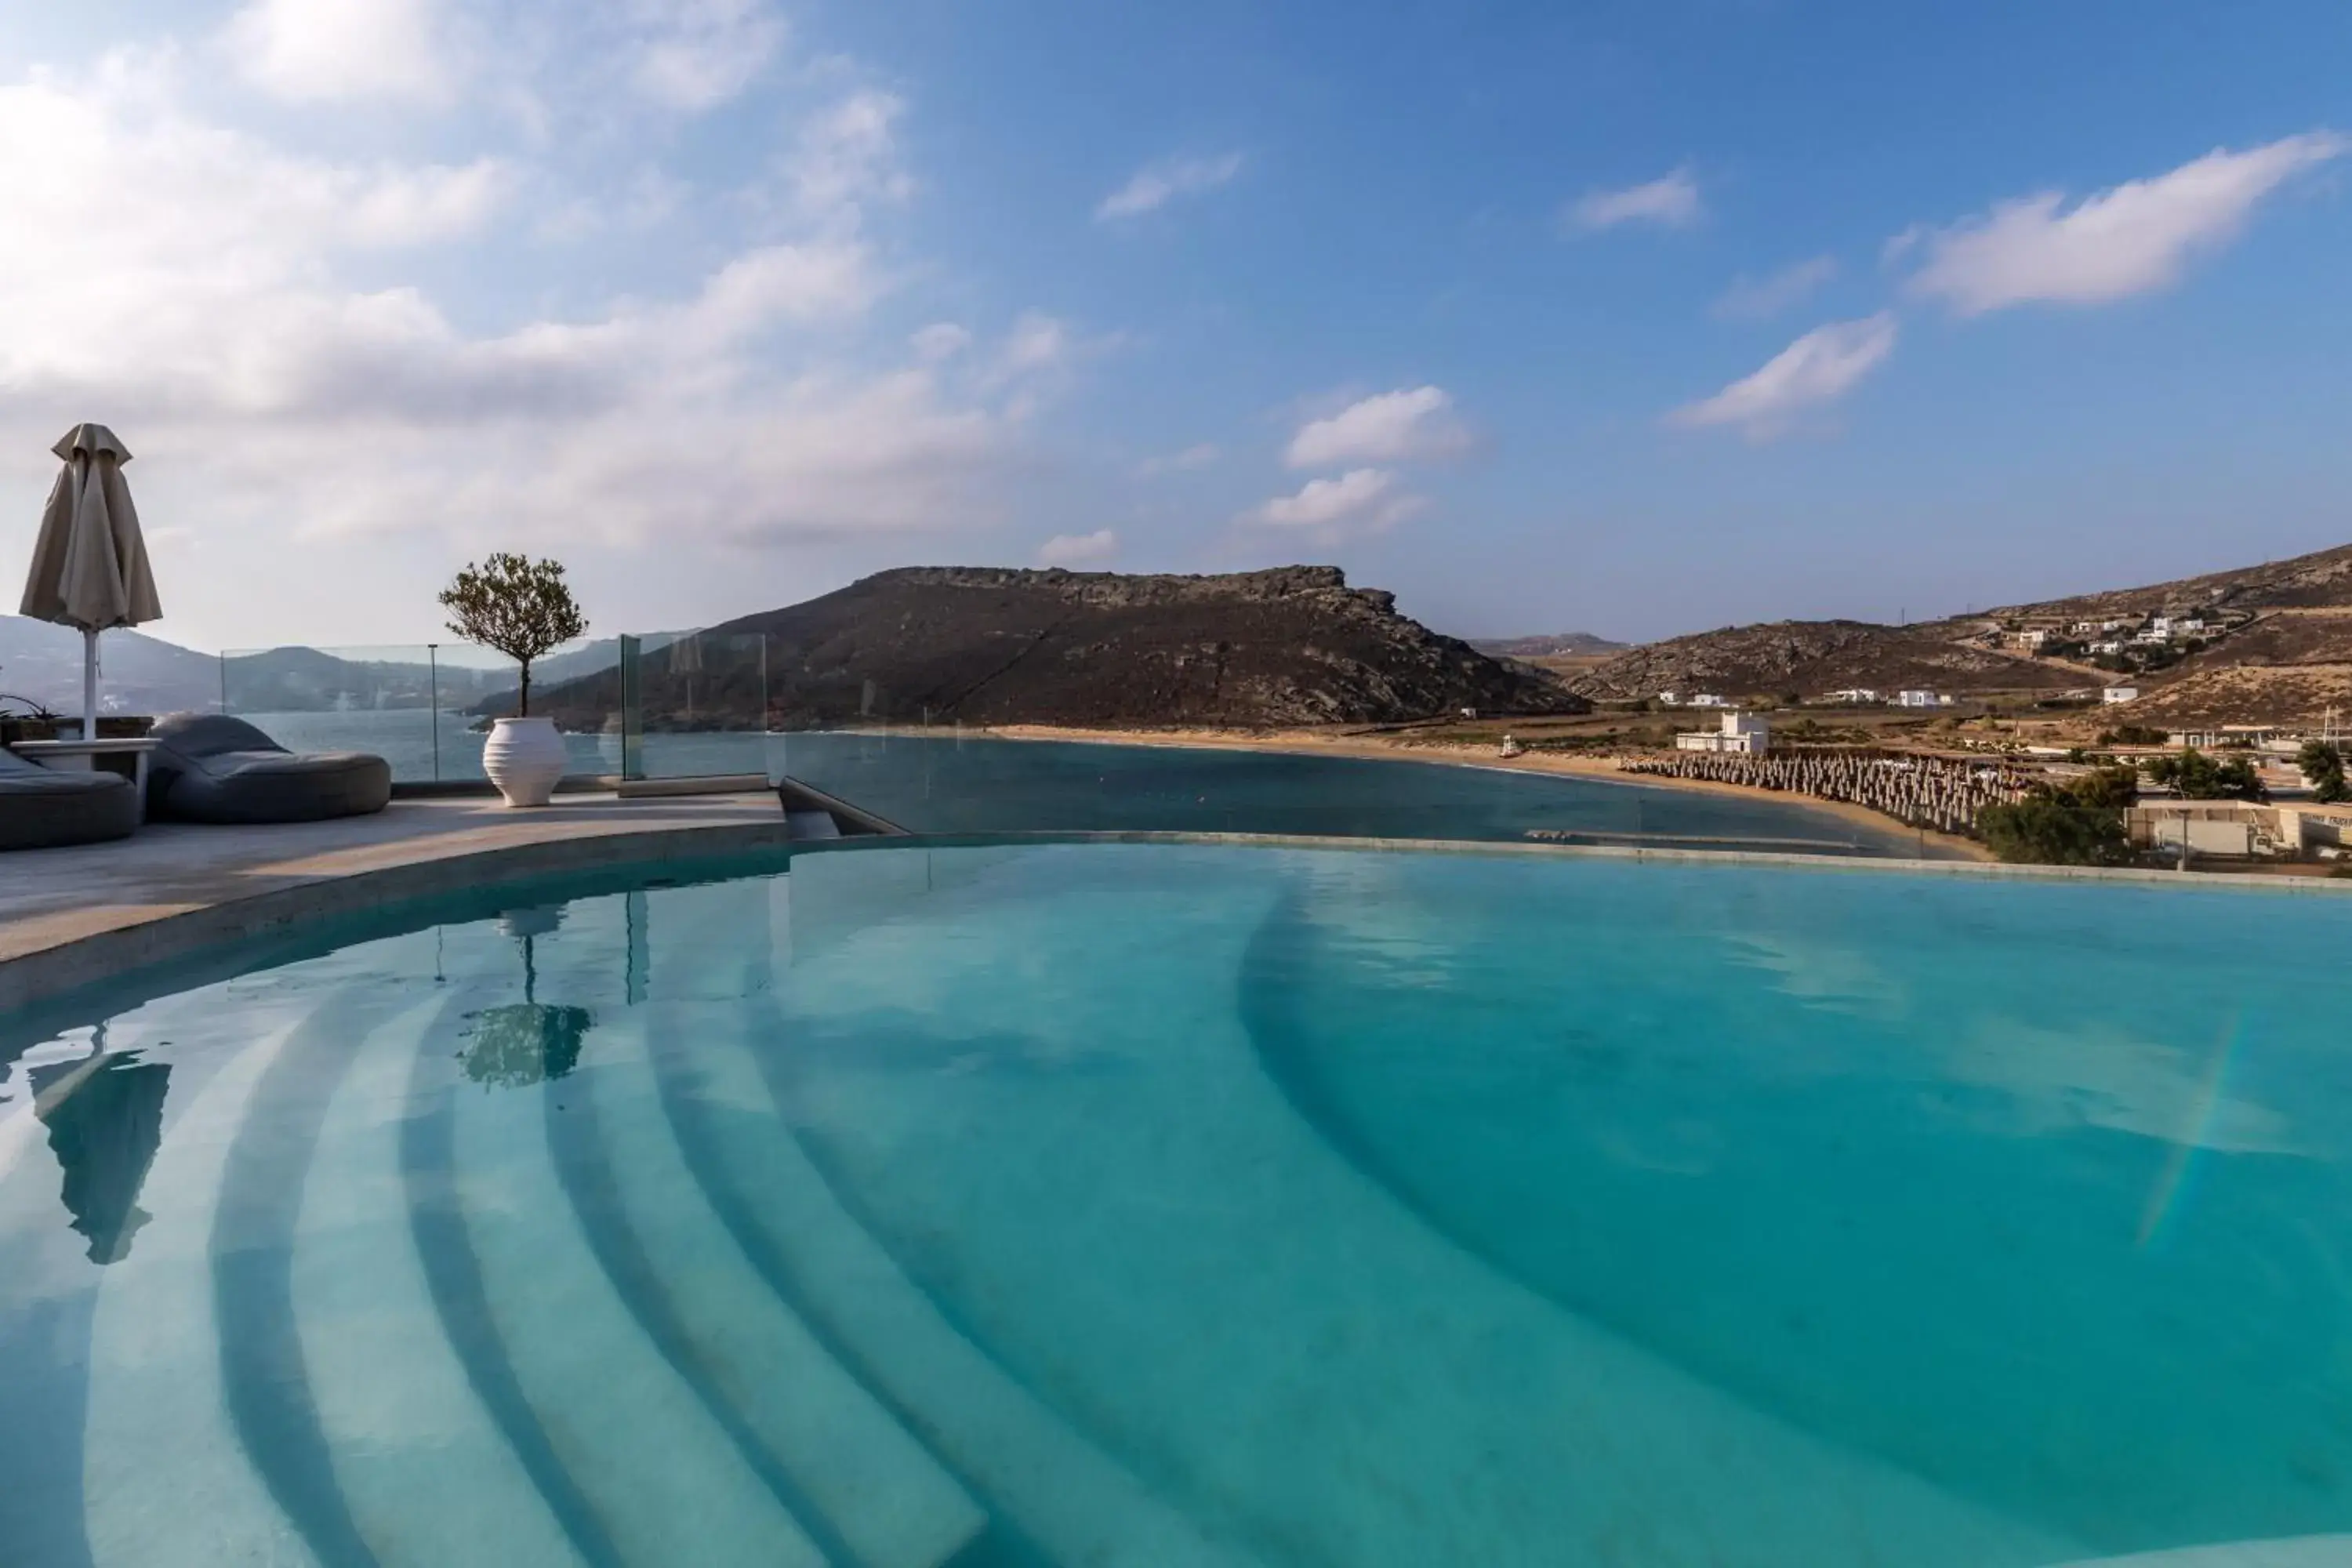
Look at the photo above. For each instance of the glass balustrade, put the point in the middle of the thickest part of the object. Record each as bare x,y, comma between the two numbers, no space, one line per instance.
696,709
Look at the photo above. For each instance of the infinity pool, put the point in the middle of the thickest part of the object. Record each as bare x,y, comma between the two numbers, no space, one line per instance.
1164,1204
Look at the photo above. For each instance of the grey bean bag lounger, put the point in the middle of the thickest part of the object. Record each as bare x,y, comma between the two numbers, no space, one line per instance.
42,808
208,767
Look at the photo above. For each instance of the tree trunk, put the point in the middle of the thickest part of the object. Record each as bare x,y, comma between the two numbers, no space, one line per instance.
522,707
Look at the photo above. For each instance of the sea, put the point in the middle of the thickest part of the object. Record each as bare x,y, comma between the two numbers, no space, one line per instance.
942,779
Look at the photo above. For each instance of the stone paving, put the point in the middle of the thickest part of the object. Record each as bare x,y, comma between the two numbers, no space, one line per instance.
49,898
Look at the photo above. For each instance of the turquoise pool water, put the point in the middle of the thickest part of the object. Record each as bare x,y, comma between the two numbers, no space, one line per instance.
1148,1204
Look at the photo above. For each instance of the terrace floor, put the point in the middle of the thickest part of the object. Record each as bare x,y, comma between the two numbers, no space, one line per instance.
49,897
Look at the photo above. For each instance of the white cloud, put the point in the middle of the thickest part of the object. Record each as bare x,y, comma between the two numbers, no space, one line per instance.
1038,352
1361,499
427,204
1097,549
199,287
1409,425
847,157
1670,201
1038,341
322,50
695,55
1196,456
1753,299
1816,370
1154,185
940,341
2126,240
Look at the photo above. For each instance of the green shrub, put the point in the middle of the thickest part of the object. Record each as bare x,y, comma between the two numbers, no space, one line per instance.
2323,769
2050,827
2079,824
2199,778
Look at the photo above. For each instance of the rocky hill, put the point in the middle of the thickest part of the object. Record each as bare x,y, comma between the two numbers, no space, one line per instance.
2277,650
2284,658
2321,580
988,645
1568,645
1813,659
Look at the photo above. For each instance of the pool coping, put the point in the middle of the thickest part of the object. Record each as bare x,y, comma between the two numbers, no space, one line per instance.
48,972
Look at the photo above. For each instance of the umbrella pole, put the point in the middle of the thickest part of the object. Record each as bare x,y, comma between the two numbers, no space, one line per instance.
90,684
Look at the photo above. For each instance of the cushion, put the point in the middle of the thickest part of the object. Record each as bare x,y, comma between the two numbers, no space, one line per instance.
209,767
47,809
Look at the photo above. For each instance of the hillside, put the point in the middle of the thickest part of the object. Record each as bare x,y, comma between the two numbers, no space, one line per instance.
2287,660
1813,659
42,663
2285,667
1569,645
986,645
2277,650
2320,580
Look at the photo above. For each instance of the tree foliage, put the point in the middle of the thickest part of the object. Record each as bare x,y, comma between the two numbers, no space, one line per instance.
2080,824
519,607
2321,762
2199,778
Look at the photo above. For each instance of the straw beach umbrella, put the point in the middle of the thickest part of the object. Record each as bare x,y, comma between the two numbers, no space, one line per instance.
90,564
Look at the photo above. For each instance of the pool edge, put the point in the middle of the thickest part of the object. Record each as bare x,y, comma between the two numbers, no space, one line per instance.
46,972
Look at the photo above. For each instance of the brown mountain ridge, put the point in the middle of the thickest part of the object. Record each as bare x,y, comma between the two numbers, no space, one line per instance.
2278,651
1292,646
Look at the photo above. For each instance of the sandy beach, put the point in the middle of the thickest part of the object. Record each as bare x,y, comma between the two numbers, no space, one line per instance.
1323,743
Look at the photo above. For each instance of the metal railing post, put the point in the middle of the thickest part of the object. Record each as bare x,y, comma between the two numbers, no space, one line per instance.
433,702
633,741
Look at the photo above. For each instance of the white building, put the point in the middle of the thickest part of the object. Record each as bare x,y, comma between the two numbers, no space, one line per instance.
1671,698
2115,694
1710,699
1747,733
1857,696
1921,699
2113,645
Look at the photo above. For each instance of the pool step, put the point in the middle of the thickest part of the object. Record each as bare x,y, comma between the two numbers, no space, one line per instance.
669,1482
425,1471
2300,1552
1073,1500
891,1505
165,1476
1133,1216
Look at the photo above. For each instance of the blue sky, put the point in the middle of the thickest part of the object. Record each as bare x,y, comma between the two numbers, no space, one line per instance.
1641,318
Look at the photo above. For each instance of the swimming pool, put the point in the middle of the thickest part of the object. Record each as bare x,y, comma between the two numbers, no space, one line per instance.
1157,1203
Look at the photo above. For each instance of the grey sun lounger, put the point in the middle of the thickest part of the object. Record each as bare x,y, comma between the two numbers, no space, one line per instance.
42,808
209,767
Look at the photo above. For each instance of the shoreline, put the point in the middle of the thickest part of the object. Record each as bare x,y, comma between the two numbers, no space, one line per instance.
1310,742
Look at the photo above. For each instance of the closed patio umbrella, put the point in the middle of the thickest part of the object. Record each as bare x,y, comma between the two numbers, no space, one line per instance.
90,564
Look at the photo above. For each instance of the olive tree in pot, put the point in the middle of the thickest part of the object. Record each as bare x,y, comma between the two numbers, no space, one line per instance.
522,609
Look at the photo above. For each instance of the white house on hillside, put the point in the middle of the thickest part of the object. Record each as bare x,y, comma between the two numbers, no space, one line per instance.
1747,733
2115,694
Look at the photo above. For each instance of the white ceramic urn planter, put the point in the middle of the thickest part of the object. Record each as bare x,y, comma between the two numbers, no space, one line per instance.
525,758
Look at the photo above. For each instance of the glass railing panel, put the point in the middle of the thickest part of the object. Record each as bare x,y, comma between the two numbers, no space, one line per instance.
424,707
696,705
389,700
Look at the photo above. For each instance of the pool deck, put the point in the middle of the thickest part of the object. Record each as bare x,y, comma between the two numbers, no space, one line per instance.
54,902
